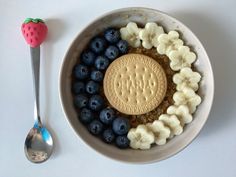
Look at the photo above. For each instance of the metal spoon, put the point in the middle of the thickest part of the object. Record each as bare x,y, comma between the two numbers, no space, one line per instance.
39,143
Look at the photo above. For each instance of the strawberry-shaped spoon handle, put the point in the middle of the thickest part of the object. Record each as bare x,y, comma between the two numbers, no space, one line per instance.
34,32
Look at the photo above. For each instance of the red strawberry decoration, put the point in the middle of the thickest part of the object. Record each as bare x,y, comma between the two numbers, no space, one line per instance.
34,31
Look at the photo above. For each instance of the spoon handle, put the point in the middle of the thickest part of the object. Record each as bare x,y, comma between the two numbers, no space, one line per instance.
35,63
34,32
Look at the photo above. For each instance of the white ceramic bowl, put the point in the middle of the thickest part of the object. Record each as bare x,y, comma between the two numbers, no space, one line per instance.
120,18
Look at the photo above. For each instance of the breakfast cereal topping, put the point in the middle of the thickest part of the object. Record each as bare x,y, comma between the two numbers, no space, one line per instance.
187,97
160,131
187,78
173,122
135,84
140,74
149,35
141,137
182,112
182,57
130,33
169,42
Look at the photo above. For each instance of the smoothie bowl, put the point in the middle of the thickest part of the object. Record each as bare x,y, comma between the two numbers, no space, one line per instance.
136,85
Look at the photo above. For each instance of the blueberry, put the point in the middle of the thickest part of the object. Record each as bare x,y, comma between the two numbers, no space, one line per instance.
101,62
123,46
122,142
107,115
96,75
81,101
98,45
112,35
78,87
112,52
96,103
88,58
86,116
92,87
81,71
95,127
120,125
108,136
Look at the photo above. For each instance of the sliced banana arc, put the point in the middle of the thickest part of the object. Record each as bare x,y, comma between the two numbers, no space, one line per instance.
186,80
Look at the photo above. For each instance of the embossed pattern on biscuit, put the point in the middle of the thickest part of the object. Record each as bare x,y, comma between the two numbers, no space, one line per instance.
135,84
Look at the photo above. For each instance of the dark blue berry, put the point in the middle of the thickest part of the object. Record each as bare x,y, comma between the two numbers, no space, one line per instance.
120,125
92,87
107,115
112,52
86,116
101,62
96,75
108,136
98,45
88,58
81,101
96,103
123,46
78,87
81,72
95,127
122,142
112,35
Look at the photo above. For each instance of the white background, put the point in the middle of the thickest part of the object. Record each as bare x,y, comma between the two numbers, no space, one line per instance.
212,154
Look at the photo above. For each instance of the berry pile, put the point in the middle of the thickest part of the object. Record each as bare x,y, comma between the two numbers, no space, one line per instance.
88,75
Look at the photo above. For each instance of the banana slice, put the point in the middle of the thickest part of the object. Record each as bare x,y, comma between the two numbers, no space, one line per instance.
180,58
173,122
130,33
160,131
140,137
149,35
187,97
187,78
182,112
169,42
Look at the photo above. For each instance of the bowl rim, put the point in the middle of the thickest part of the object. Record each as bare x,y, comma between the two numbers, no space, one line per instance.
210,101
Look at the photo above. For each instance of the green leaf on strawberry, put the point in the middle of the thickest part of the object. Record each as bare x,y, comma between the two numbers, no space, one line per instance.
36,20
27,20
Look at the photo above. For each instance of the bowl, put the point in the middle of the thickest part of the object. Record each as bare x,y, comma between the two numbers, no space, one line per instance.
120,18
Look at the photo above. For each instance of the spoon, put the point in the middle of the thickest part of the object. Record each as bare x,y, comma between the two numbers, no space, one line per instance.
39,143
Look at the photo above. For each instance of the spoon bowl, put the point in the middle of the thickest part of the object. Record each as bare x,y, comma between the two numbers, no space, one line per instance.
38,144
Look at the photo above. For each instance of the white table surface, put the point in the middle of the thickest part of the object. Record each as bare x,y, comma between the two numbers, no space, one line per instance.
212,154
